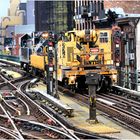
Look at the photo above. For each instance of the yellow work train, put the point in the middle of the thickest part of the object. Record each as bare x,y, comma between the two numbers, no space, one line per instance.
81,52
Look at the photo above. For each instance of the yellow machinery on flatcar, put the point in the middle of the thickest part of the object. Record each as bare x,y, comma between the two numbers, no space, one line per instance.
78,53
37,61
81,52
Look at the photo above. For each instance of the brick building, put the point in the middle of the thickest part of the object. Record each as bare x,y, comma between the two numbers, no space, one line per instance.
129,6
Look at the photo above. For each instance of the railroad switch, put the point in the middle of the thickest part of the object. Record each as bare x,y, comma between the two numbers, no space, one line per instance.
92,82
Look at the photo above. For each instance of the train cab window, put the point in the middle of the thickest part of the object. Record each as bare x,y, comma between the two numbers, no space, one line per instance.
103,37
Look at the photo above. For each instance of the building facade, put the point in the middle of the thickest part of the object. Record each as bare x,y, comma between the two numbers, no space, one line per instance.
15,17
30,12
129,6
54,15
86,12
20,20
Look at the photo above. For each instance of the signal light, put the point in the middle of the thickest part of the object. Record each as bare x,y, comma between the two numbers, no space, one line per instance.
117,64
50,69
50,48
50,54
117,54
117,40
45,35
50,43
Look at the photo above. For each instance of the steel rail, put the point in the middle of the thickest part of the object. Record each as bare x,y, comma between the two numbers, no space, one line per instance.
125,90
27,107
12,122
53,128
46,113
121,100
78,132
18,89
129,119
48,127
9,132
11,107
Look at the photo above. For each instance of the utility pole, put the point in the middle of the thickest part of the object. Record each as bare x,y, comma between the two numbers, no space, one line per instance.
50,67
56,80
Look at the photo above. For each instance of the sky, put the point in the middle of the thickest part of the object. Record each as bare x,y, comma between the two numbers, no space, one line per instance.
4,5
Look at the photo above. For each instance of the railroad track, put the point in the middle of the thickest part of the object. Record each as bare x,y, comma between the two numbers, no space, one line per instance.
41,115
22,118
123,102
121,109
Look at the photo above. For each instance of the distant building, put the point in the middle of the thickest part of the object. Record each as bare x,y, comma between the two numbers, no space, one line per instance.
20,20
29,15
86,12
54,15
15,17
30,12
14,4
22,7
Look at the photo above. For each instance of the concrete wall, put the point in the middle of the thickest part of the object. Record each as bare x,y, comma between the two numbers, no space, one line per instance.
23,29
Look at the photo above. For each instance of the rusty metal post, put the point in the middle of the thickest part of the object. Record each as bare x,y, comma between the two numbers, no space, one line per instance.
92,82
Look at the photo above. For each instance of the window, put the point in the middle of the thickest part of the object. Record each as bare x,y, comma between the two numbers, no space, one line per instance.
131,45
103,37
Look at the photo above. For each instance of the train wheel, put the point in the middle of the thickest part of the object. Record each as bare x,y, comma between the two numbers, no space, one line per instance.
73,88
80,84
27,68
21,65
34,71
104,84
65,82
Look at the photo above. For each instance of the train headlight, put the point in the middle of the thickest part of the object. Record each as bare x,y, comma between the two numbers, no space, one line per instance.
72,80
45,35
114,78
